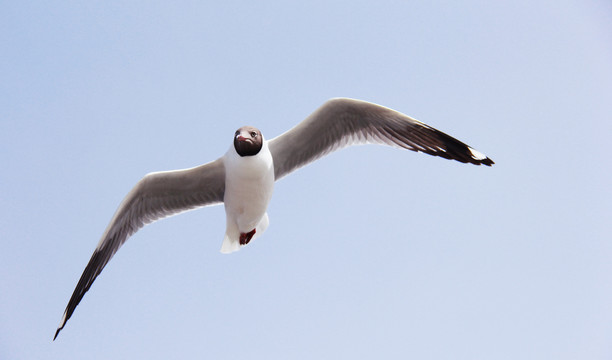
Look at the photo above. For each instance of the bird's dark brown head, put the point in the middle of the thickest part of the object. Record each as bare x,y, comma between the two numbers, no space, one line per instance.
248,141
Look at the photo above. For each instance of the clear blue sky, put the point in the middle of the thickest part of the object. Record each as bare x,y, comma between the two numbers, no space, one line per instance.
371,252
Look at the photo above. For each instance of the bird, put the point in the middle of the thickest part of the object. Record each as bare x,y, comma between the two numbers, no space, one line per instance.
243,178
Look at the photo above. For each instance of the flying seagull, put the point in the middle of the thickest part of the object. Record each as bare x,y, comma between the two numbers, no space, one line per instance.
243,178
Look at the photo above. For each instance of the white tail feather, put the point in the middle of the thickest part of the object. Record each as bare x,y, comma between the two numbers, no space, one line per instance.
231,241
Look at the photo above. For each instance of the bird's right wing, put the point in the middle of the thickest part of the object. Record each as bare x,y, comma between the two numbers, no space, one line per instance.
156,196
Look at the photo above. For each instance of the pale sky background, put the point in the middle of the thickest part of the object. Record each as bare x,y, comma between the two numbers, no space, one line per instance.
372,252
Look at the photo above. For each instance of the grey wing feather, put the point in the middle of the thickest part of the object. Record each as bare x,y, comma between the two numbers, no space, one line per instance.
342,122
156,196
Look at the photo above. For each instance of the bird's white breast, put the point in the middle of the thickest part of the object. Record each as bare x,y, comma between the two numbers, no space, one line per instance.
249,182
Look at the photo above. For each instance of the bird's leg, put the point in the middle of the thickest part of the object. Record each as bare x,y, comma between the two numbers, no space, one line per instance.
246,237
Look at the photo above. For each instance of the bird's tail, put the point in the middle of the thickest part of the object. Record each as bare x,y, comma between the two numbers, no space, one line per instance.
231,241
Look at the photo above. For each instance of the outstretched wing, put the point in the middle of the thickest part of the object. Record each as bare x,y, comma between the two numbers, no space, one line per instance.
156,196
342,122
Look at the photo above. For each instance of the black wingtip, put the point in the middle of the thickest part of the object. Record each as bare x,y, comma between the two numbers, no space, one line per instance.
57,333
487,162
477,158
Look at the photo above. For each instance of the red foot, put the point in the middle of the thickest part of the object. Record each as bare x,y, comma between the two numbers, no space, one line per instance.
246,237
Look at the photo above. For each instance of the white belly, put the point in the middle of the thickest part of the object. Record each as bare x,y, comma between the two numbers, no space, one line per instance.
246,201
249,182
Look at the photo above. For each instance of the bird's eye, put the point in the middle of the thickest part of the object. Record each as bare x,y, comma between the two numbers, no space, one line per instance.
237,132
253,134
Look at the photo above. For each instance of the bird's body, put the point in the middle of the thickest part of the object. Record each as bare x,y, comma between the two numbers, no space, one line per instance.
243,178
249,181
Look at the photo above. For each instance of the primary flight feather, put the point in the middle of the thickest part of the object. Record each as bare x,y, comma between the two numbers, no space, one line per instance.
243,178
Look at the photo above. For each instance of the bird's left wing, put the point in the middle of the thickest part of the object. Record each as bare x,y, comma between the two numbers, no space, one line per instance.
156,196
343,122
